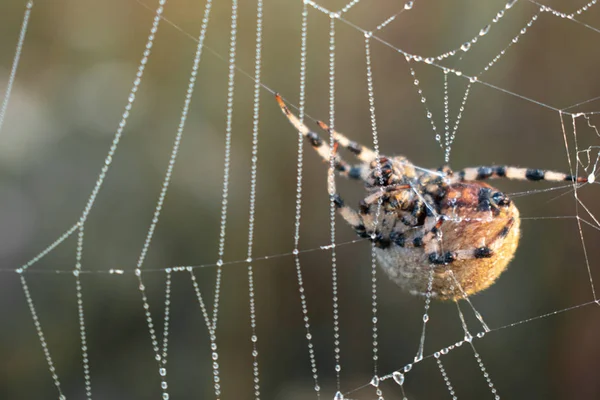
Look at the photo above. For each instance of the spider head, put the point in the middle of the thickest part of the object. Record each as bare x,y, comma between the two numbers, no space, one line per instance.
500,199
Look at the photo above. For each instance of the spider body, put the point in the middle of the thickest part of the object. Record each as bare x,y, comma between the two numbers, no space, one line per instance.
438,232
471,248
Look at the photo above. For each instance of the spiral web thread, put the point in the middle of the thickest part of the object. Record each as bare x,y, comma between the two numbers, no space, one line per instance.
585,163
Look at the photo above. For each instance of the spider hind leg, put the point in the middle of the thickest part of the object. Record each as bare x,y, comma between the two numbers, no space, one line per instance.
523,174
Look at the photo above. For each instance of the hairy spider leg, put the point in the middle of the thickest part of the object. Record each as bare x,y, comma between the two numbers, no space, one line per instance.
359,171
350,215
361,152
428,240
500,171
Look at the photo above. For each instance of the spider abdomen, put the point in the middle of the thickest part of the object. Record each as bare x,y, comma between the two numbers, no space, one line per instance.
474,244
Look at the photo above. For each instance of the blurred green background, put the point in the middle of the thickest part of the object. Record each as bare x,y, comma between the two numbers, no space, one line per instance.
77,67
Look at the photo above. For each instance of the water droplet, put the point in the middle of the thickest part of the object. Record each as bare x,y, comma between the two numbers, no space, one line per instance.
436,354
480,335
484,30
409,5
398,377
444,350
407,368
338,396
162,371
510,4
473,79
591,178
254,338
375,381
425,317
466,46
429,60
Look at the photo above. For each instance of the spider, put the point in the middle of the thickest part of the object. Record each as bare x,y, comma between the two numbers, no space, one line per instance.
441,228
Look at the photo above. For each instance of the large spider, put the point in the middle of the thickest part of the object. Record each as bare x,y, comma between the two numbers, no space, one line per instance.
447,226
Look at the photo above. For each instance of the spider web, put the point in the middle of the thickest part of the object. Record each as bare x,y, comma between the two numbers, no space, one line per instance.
237,282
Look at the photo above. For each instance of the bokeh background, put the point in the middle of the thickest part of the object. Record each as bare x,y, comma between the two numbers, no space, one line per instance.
77,67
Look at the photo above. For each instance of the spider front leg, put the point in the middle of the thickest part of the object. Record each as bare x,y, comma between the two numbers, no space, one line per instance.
361,152
360,171
497,171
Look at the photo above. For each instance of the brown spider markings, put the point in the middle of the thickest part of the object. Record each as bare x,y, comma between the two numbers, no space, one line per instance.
447,227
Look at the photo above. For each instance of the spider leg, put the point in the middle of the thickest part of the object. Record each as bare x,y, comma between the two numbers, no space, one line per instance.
359,171
361,152
352,217
499,171
427,240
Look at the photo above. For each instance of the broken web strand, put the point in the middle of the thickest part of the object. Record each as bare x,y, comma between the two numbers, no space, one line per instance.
255,120
332,211
469,339
42,338
591,178
162,195
576,196
15,63
374,306
299,169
